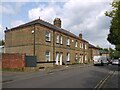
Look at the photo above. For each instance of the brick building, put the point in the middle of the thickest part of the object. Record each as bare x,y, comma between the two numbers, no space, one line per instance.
93,51
49,42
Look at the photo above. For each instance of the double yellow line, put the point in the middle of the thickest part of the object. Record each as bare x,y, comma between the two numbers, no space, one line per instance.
102,82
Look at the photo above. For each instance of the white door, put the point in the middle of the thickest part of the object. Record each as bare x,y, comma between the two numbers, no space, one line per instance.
61,57
57,56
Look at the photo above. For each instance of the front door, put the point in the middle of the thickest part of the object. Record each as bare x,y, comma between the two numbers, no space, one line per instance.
61,57
57,57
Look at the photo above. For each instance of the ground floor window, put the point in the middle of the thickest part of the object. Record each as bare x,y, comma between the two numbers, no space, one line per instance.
68,56
76,56
85,57
47,55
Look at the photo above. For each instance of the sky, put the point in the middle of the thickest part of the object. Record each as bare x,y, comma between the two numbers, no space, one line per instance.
78,16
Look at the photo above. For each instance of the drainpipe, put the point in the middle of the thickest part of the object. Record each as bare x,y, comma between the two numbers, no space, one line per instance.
53,47
33,32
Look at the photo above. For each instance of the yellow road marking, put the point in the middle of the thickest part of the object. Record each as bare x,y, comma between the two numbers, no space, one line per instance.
101,83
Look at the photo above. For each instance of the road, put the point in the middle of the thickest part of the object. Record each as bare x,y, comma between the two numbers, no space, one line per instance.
86,77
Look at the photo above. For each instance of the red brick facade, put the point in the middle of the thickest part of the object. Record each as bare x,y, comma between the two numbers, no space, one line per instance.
13,60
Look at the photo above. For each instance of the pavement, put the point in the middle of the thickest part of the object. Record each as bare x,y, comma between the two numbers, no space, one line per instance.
13,76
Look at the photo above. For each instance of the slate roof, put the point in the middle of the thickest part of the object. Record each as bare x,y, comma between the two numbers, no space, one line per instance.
92,46
46,24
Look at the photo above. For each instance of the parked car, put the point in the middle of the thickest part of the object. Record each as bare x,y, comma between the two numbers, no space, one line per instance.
100,60
115,62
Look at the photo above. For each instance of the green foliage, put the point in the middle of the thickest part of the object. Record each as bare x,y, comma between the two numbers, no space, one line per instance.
99,47
114,54
114,35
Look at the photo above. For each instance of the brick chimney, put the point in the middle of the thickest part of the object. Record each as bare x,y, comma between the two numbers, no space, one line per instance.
80,35
57,22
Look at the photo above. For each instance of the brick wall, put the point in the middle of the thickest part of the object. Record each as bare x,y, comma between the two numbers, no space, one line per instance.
13,60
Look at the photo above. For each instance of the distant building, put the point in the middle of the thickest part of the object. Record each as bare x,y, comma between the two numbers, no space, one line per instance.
93,51
1,49
104,53
49,42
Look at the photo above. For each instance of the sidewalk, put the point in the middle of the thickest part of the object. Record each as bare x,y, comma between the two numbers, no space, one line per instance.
12,76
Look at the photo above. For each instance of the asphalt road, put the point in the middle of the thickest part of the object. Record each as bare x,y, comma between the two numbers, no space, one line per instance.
86,77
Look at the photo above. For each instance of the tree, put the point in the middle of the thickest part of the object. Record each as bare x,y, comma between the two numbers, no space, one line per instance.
2,42
114,35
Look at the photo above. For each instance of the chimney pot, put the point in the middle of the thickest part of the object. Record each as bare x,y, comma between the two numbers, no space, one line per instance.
57,22
80,35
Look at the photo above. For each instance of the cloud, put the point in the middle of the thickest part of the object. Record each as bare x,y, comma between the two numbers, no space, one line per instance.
7,9
1,32
47,13
79,16
15,23
11,7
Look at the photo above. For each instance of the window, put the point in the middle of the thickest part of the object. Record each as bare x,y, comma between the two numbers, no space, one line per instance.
47,56
47,36
85,57
85,46
80,45
57,39
61,40
68,41
68,56
76,56
76,43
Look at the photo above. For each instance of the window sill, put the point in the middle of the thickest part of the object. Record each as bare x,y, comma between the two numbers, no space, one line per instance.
48,41
68,45
68,61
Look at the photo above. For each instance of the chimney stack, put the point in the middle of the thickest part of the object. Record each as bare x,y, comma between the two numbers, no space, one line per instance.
80,35
57,22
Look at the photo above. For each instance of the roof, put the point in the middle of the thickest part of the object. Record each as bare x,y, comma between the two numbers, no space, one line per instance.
92,46
47,24
104,52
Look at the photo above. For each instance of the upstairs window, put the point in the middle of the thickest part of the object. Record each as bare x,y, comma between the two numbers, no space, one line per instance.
68,41
76,43
57,39
61,40
47,36
47,56
80,45
85,46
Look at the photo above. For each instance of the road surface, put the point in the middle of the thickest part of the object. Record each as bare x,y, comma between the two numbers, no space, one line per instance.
106,76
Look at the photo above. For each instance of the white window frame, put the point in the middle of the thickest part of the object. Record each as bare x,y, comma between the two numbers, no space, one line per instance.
85,46
80,45
48,36
61,58
47,54
57,58
68,41
76,56
76,43
57,39
61,39
68,56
